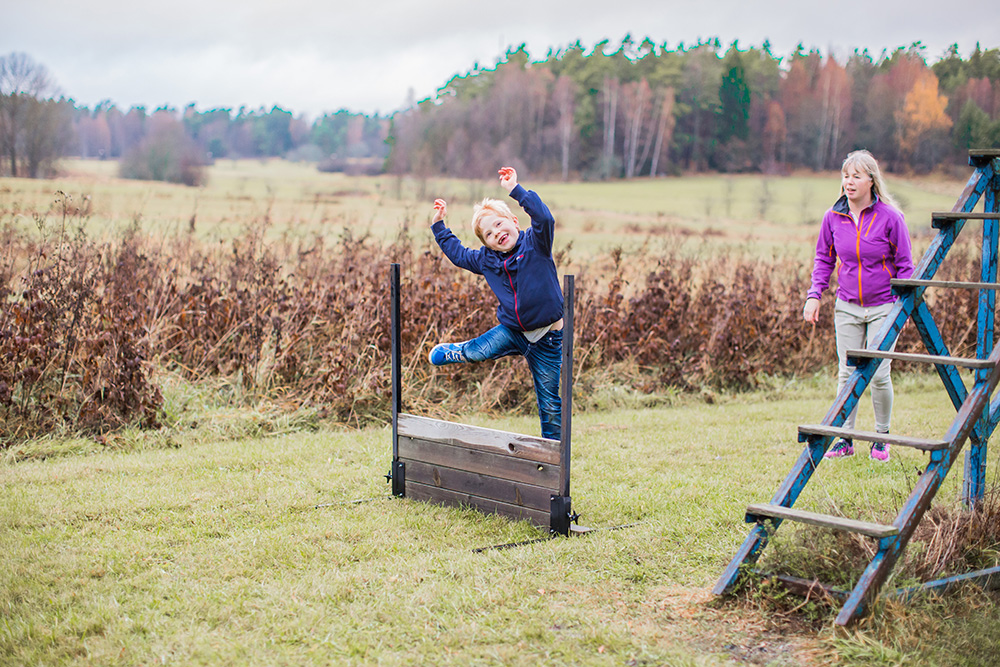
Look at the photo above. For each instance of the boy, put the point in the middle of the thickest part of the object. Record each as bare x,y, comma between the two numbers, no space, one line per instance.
519,268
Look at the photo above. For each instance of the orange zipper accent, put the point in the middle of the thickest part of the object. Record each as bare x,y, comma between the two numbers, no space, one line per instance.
857,250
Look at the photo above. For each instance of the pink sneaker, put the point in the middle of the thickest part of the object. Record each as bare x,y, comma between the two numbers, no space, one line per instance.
840,449
880,451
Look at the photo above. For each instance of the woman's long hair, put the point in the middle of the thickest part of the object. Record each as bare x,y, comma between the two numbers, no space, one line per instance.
865,162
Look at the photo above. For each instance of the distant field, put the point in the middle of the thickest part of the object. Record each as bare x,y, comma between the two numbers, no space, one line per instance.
759,213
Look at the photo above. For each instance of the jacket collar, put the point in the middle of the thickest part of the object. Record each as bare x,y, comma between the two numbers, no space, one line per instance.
843,207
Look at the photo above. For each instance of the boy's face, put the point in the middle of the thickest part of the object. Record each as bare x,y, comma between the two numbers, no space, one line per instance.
499,233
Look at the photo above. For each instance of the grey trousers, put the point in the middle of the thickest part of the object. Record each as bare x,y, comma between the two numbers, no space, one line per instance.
856,326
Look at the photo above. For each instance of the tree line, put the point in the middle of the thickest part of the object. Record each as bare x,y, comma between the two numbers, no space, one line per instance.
637,109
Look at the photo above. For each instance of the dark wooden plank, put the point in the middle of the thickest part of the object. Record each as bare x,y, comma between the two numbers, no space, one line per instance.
440,496
808,587
924,444
754,512
953,284
962,362
941,220
527,447
474,460
482,486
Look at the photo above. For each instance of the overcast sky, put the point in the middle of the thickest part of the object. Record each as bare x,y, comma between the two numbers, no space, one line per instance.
311,57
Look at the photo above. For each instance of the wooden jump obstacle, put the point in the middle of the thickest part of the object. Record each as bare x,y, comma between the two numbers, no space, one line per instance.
977,415
519,476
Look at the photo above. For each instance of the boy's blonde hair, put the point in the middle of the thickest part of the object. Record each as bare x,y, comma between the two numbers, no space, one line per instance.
484,208
865,162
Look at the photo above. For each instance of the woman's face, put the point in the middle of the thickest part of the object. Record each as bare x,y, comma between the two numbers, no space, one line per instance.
857,185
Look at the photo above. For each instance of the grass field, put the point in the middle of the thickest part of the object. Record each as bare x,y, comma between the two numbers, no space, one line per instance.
750,212
288,550
243,535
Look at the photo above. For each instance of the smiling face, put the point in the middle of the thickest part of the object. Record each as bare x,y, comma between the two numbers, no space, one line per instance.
498,232
857,185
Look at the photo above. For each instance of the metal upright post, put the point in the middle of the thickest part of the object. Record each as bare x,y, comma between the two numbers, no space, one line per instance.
398,474
567,381
561,507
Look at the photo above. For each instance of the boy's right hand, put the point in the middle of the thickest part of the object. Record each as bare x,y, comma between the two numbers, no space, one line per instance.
440,210
508,178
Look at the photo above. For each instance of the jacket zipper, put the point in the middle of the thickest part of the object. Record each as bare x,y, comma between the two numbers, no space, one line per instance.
857,249
514,290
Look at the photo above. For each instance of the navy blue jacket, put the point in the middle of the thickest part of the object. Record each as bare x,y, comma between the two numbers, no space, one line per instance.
524,280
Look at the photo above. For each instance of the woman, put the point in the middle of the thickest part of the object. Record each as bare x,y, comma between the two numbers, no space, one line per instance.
867,233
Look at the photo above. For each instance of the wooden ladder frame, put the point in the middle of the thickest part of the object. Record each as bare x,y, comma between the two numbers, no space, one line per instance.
976,418
519,476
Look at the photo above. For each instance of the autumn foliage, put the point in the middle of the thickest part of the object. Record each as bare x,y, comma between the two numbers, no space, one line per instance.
90,326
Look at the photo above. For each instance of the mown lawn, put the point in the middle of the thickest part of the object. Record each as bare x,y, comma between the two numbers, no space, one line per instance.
177,549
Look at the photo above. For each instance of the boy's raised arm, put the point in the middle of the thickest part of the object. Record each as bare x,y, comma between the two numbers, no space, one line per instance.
460,256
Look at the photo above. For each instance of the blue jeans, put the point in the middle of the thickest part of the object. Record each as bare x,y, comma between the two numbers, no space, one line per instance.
544,359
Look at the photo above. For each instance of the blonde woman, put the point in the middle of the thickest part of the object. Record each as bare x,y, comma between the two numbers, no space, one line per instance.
866,232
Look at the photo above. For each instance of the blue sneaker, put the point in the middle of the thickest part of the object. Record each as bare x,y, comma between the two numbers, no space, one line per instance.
841,448
446,353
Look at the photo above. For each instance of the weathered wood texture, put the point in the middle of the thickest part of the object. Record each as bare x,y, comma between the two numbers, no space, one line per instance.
919,358
835,522
925,444
494,471
527,447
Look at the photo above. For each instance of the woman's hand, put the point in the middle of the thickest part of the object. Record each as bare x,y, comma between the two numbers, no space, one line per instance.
811,311
440,210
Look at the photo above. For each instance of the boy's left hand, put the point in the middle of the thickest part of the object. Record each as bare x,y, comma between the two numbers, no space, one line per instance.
440,210
508,178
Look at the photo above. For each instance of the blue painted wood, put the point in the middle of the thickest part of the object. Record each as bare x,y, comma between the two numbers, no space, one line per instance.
976,415
987,579
931,337
974,480
920,498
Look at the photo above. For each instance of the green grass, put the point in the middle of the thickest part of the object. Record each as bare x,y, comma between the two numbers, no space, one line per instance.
252,550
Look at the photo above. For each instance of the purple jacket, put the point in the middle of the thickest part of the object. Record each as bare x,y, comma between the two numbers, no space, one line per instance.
871,253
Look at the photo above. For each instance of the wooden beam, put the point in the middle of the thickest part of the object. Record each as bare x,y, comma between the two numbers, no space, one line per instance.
432,494
479,485
953,284
925,444
963,362
754,512
474,460
527,447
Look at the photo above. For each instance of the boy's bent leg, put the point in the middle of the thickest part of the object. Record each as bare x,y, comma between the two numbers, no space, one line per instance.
500,341
497,342
545,361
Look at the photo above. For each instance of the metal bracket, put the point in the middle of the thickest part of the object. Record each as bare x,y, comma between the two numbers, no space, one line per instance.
561,514
397,475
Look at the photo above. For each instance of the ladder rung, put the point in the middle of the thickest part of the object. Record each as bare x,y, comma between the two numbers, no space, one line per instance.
946,219
963,362
913,282
805,587
754,512
924,444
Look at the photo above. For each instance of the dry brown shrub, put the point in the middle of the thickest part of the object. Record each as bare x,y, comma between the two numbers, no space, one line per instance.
306,323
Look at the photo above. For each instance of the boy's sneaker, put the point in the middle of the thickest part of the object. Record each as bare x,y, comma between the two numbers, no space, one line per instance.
446,353
841,448
880,451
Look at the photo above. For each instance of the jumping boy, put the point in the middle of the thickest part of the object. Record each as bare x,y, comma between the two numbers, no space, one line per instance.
519,268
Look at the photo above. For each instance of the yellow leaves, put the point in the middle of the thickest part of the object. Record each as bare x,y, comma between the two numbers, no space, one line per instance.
923,111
